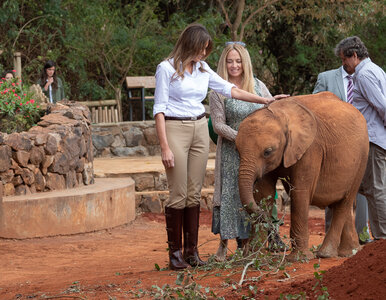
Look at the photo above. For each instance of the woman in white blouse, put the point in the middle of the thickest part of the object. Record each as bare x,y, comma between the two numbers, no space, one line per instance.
182,82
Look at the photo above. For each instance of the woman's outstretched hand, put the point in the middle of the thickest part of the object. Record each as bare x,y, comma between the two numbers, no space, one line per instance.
269,100
281,96
276,97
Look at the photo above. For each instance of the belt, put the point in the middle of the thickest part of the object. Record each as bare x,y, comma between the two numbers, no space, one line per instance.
185,118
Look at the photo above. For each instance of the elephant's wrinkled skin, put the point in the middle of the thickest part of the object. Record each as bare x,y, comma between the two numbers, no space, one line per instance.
321,144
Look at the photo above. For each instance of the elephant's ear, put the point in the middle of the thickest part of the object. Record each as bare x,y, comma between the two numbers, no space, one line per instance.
301,131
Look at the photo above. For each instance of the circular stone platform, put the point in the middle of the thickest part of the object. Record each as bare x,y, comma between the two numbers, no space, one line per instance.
107,203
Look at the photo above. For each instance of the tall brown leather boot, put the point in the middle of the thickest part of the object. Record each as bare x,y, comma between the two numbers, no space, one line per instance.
174,221
191,223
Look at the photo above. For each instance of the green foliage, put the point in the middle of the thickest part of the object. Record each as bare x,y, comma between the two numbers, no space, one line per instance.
319,290
371,33
318,285
364,235
97,43
186,288
296,40
18,111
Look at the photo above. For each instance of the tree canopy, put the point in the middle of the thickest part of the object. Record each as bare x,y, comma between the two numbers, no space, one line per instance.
97,43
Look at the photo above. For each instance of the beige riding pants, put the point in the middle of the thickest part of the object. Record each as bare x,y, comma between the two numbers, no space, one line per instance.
189,142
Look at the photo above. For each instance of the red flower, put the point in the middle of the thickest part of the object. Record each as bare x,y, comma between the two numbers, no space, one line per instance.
32,101
21,104
14,71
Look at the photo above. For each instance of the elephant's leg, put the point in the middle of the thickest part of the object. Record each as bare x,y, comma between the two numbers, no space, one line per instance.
331,241
349,238
299,224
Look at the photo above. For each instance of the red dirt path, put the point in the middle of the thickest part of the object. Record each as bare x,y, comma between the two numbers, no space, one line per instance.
120,263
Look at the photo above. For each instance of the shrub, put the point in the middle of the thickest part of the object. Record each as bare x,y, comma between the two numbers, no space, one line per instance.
18,111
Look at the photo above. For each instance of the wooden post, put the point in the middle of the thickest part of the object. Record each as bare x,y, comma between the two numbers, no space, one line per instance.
17,63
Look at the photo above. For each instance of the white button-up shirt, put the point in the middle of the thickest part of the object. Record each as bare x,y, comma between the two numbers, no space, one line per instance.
370,99
176,97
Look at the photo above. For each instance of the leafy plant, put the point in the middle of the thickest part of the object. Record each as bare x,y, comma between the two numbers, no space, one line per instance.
364,234
318,287
18,110
319,277
187,288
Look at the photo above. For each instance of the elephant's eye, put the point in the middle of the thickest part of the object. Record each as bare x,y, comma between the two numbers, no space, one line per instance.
267,152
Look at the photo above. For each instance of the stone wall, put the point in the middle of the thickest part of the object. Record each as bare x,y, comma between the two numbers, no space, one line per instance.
127,139
55,154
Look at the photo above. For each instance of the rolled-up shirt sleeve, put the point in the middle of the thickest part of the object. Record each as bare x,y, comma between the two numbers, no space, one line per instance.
218,84
161,94
371,91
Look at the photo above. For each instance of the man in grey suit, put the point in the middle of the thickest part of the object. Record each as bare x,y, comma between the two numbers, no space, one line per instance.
338,82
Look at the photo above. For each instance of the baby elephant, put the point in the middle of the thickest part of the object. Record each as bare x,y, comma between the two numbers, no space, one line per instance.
320,144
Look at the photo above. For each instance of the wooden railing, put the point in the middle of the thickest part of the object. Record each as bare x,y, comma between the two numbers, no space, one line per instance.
104,111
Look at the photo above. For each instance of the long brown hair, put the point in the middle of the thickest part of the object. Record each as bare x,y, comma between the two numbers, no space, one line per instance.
43,75
190,44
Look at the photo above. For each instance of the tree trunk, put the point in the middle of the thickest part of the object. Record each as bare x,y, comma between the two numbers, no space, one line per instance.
118,94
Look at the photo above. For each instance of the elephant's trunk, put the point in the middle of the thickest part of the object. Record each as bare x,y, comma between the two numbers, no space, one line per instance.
247,177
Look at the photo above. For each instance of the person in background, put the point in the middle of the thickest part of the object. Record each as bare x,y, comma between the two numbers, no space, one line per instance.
369,97
8,75
182,82
340,82
229,219
52,85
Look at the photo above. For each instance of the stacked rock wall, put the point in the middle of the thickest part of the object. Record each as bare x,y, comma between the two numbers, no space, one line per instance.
127,139
55,154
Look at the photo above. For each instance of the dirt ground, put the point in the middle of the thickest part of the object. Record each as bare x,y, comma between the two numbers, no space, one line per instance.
120,264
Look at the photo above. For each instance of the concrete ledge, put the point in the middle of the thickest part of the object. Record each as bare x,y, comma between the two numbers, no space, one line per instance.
107,203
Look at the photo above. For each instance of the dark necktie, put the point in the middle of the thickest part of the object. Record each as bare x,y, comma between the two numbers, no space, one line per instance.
350,88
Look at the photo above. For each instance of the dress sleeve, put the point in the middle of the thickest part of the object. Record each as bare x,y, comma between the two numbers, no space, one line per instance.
217,113
264,90
161,94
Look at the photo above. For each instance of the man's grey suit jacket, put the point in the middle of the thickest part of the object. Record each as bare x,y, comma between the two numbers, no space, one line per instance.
331,81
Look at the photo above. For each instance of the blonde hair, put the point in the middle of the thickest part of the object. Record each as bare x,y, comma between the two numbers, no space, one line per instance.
248,81
190,44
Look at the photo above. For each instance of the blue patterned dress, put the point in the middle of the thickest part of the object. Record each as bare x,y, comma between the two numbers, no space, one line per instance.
229,219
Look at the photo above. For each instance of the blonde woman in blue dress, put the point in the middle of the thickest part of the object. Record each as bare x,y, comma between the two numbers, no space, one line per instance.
226,114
